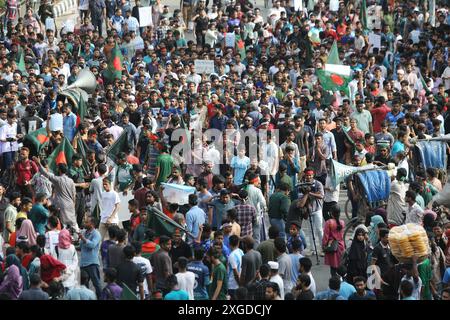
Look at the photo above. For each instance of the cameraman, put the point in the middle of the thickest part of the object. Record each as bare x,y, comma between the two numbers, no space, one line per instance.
311,197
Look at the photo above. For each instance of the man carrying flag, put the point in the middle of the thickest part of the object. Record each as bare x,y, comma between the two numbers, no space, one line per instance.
64,190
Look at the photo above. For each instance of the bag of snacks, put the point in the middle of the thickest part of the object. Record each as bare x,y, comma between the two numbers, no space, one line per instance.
409,240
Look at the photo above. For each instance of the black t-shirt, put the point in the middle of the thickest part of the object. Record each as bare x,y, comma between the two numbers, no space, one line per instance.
130,274
383,257
339,137
201,24
305,295
182,250
384,160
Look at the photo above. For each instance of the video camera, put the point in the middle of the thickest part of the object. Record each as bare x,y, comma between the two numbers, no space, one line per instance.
306,187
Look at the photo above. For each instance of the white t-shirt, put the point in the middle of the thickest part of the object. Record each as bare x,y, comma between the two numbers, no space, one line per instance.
146,269
186,282
234,262
109,201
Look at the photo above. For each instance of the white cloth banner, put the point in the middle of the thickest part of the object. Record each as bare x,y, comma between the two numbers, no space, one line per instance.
145,16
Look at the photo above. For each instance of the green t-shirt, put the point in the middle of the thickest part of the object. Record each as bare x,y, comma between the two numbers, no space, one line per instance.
165,164
219,273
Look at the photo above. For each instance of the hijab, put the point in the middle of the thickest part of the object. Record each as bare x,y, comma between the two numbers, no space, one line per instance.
12,285
358,249
373,236
13,260
65,239
27,230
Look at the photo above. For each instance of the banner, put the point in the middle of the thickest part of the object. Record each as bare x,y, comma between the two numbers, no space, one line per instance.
204,66
145,16
339,171
175,193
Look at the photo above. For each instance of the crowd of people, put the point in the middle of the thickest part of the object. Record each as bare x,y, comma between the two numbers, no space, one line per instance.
256,138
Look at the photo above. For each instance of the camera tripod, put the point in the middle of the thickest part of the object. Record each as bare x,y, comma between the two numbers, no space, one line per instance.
313,237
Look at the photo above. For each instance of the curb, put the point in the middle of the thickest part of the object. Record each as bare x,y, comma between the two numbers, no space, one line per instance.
64,7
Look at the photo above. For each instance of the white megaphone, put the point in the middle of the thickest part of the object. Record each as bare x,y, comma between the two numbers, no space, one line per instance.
85,81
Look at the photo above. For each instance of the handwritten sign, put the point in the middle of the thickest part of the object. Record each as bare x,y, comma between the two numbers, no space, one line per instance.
204,66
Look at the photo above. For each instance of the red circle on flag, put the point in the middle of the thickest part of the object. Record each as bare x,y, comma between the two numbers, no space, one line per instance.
116,63
337,79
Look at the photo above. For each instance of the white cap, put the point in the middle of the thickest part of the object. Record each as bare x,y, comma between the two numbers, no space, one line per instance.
273,265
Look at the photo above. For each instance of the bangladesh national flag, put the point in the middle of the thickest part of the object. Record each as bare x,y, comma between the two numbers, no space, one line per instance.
363,15
115,65
240,45
63,153
162,224
118,146
36,141
332,81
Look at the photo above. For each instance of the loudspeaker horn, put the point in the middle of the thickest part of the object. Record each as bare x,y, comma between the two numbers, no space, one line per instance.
85,81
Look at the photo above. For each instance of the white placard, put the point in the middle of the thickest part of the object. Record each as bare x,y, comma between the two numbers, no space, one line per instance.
50,24
230,40
375,40
204,66
145,16
124,214
56,122
32,125
334,5
69,26
298,5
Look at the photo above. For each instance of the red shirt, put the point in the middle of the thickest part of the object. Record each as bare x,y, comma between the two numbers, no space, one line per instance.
25,170
378,115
